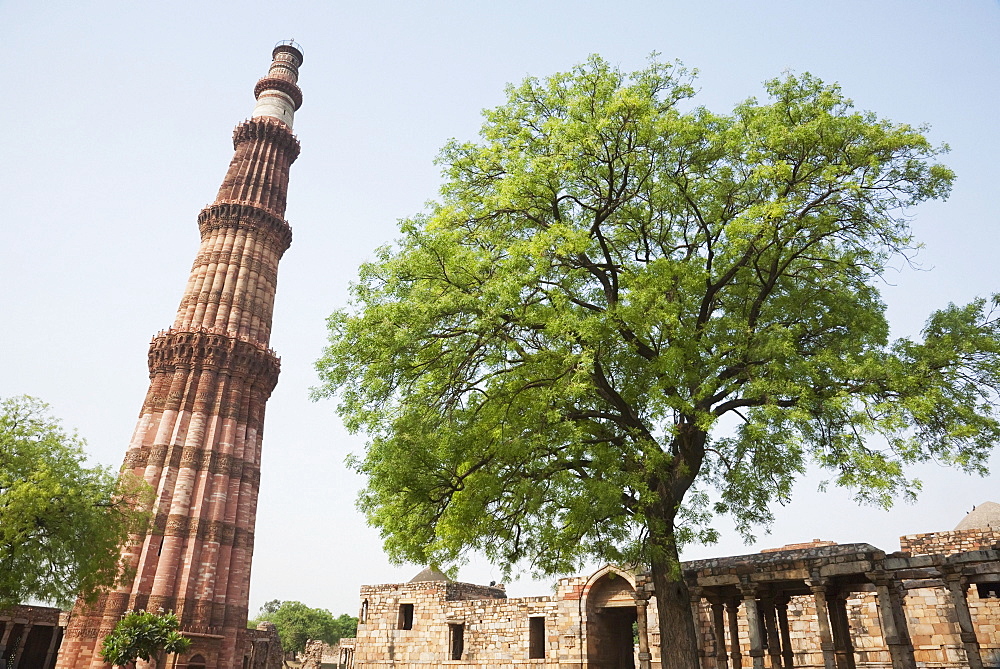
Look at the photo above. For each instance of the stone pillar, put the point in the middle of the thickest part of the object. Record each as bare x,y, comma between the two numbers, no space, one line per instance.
642,625
719,628
844,649
771,630
749,593
52,645
6,637
733,610
956,587
890,611
695,593
823,621
787,655
20,645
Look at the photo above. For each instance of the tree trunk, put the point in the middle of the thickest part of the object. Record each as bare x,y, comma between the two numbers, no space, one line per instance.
678,638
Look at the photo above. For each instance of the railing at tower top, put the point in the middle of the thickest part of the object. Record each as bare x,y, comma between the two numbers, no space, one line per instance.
290,42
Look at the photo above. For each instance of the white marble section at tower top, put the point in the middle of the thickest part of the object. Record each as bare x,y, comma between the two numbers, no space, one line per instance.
278,96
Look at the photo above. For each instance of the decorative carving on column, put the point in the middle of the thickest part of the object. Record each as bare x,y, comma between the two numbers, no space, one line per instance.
642,627
733,612
819,588
771,631
957,585
787,655
844,648
890,610
695,593
719,630
749,593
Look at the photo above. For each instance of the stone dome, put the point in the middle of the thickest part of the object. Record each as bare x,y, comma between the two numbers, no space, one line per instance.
429,574
985,516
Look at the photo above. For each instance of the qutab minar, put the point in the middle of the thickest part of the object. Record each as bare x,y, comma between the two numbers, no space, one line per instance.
198,437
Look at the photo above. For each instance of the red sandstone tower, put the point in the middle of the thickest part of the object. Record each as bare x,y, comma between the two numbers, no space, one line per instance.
198,437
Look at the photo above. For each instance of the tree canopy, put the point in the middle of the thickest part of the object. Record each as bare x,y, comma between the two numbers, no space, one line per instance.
143,635
544,360
62,523
298,623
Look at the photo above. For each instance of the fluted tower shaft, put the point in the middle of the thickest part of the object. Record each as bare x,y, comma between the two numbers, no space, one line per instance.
198,436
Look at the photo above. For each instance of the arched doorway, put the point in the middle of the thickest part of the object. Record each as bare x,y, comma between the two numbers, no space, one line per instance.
196,662
611,622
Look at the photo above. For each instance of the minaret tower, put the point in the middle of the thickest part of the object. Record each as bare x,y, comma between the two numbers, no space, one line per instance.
198,437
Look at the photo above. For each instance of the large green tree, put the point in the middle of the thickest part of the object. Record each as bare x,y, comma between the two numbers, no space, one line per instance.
551,359
62,523
298,623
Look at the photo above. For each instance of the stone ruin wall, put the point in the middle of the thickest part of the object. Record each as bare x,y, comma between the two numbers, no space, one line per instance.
949,543
30,636
866,632
262,647
496,629
933,626
312,656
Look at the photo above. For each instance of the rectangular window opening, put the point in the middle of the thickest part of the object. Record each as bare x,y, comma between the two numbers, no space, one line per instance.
987,590
536,637
456,640
405,617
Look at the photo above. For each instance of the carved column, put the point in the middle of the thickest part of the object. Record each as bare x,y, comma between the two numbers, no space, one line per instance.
787,654
695,593
749,593
733,611
890,611
719,629
844,648
642,627
818,589
956,587
771,630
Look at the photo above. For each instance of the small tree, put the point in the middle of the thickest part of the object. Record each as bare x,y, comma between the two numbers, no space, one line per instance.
547,360
62,524
143,635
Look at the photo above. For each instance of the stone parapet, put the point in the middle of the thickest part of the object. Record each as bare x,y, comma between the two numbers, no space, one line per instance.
949,543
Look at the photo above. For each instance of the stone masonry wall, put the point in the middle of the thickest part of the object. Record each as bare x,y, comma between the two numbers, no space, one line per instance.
494,630
949,543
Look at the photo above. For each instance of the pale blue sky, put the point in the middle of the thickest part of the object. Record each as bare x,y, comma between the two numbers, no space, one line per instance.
116,127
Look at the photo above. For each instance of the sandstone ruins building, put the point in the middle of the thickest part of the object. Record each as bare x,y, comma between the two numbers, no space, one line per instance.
198,437
935,603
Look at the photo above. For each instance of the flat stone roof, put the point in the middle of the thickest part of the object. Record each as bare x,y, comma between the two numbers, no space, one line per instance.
771,559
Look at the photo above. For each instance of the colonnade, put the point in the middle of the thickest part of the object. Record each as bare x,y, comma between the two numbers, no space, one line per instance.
346,660
765,607
14,643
